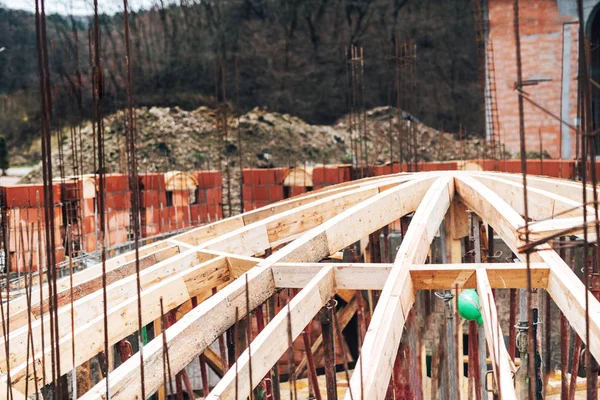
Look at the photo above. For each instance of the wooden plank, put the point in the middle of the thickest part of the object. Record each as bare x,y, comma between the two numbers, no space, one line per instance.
459,221
214,361
565,288
543,204
19,318
201,326
373,369
14,393
503,372
122,319
306,198
563,227
266,233
91,306
272,342
562,187
424,276
64,284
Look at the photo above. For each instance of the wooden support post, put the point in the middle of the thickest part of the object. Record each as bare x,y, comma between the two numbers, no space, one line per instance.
564,339
452,387
474,376
312,370
161,393
512,322
457,221
326,318
495,339
481,330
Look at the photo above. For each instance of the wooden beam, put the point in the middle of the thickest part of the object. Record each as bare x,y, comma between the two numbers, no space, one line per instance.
266,233
247,237
424,276
90,307
64,284
14,393
19,316
201,234
214,361
565,288
503,371
563,227
373,369
271,343
184,284
201,326
562,187
344,315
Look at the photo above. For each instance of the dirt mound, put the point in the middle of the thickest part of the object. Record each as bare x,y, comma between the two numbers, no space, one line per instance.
175,139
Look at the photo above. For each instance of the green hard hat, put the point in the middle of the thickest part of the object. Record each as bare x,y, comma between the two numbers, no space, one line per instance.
468,305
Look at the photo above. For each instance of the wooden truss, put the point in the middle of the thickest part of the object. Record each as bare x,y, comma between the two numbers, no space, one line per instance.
298,235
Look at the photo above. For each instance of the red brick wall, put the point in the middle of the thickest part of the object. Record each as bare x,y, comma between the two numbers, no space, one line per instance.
541,31
158,217
262,187
331,175
209,205
23,209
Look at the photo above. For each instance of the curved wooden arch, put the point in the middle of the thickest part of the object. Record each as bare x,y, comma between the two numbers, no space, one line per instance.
298,234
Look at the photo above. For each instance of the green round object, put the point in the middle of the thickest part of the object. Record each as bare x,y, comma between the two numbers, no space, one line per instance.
468,305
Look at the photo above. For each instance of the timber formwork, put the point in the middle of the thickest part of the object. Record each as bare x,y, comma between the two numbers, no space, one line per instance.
249,257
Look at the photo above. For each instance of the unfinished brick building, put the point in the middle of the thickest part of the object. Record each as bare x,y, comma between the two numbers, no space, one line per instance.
550,55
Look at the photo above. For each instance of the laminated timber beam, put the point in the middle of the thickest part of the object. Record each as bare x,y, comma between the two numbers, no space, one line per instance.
424,276
18,317
542,204
565,288
554,212
190,280
374,367
250,239
272,342
202,325
562,187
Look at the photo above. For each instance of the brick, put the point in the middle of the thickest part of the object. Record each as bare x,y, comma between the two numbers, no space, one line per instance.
88,206
247,192
248,206
214,196
116,183
276,193
152,198
153,182
296,190
16,196
332,175
90,243
318,175
208,179
260,193
199,213
88,225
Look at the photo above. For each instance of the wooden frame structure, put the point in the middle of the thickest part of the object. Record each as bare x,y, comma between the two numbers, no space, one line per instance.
286,245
